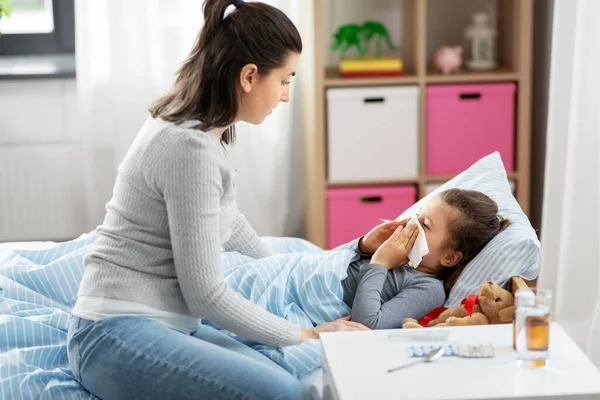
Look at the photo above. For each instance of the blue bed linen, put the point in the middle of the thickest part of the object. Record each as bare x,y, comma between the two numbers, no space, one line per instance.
39,282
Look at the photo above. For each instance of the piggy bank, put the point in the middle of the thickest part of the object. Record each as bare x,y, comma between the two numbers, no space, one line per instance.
448,59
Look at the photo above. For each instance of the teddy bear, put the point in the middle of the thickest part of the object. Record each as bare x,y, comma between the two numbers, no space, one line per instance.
493,305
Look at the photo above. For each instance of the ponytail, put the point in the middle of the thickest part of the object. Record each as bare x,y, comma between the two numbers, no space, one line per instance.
214,13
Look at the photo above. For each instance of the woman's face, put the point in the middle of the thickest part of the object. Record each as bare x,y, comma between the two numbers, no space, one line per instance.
436,217
260,94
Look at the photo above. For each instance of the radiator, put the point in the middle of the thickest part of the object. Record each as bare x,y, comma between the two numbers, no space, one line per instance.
42,193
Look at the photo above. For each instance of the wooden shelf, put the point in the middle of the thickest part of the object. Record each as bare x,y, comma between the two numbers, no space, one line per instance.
496,75
408,181
446,178
422,26
333,79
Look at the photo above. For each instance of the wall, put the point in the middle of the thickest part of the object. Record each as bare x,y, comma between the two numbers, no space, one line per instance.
42,192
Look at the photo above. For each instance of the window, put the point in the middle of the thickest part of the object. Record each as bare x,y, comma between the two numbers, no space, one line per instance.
29,16
38,27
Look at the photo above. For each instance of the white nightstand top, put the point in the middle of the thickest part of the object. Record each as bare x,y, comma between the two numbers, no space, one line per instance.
355,365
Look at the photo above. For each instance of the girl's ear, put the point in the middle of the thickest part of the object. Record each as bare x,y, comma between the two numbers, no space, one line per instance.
451,258
248,77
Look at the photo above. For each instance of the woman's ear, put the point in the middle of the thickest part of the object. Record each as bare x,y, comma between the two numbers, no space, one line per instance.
451,258
248,77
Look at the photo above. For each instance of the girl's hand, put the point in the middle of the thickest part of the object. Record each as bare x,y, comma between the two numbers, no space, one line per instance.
394,251
342,324
375,238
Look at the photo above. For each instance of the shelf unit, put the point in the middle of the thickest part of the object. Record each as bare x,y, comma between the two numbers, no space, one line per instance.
515,25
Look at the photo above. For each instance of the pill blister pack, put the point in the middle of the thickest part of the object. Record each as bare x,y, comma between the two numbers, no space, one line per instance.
423,350
458,350
475,350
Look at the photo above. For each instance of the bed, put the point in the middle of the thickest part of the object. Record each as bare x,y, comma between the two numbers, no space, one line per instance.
38,286
39,283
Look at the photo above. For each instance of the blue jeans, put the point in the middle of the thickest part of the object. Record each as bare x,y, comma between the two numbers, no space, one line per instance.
137,358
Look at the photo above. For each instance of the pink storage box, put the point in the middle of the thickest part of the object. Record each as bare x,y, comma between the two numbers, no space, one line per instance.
352,212
468,122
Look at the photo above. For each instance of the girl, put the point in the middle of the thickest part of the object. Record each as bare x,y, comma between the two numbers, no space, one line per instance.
382,291
155,269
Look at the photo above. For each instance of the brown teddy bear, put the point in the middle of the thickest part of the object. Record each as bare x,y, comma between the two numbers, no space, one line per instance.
493,305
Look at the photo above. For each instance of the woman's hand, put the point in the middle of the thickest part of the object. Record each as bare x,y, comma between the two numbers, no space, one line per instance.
394,251
375,238
342,324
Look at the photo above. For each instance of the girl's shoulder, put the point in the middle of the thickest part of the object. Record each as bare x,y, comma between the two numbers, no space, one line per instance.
414,276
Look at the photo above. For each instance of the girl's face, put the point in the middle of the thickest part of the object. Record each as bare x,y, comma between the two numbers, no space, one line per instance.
436,217
260,94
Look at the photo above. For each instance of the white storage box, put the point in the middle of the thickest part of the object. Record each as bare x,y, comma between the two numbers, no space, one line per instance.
373,133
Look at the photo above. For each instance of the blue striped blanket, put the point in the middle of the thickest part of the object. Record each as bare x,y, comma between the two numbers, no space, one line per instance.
39,282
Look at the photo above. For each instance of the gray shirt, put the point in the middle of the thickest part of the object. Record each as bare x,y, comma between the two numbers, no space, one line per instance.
382,299
173,209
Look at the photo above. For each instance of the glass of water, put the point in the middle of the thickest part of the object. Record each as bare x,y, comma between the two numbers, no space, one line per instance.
532,326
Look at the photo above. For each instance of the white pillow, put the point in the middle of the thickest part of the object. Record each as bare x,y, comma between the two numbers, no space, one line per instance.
514,252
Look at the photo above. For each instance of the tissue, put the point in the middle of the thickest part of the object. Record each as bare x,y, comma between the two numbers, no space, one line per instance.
420,249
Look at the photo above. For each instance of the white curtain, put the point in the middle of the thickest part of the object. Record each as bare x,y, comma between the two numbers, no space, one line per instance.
127,54
571,212
269,156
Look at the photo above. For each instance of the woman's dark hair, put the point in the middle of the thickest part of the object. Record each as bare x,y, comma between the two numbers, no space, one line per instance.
206,88
478,223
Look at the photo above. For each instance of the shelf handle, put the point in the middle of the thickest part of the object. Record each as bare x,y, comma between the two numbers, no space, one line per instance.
371,199
470,96
374,99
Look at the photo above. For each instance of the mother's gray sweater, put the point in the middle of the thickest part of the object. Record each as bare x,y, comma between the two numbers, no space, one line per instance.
173,209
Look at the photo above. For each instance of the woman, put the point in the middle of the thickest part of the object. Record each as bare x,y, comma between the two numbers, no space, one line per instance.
155,270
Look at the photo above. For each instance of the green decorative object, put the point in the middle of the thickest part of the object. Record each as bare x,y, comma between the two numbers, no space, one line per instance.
347,36
377,30
360,36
